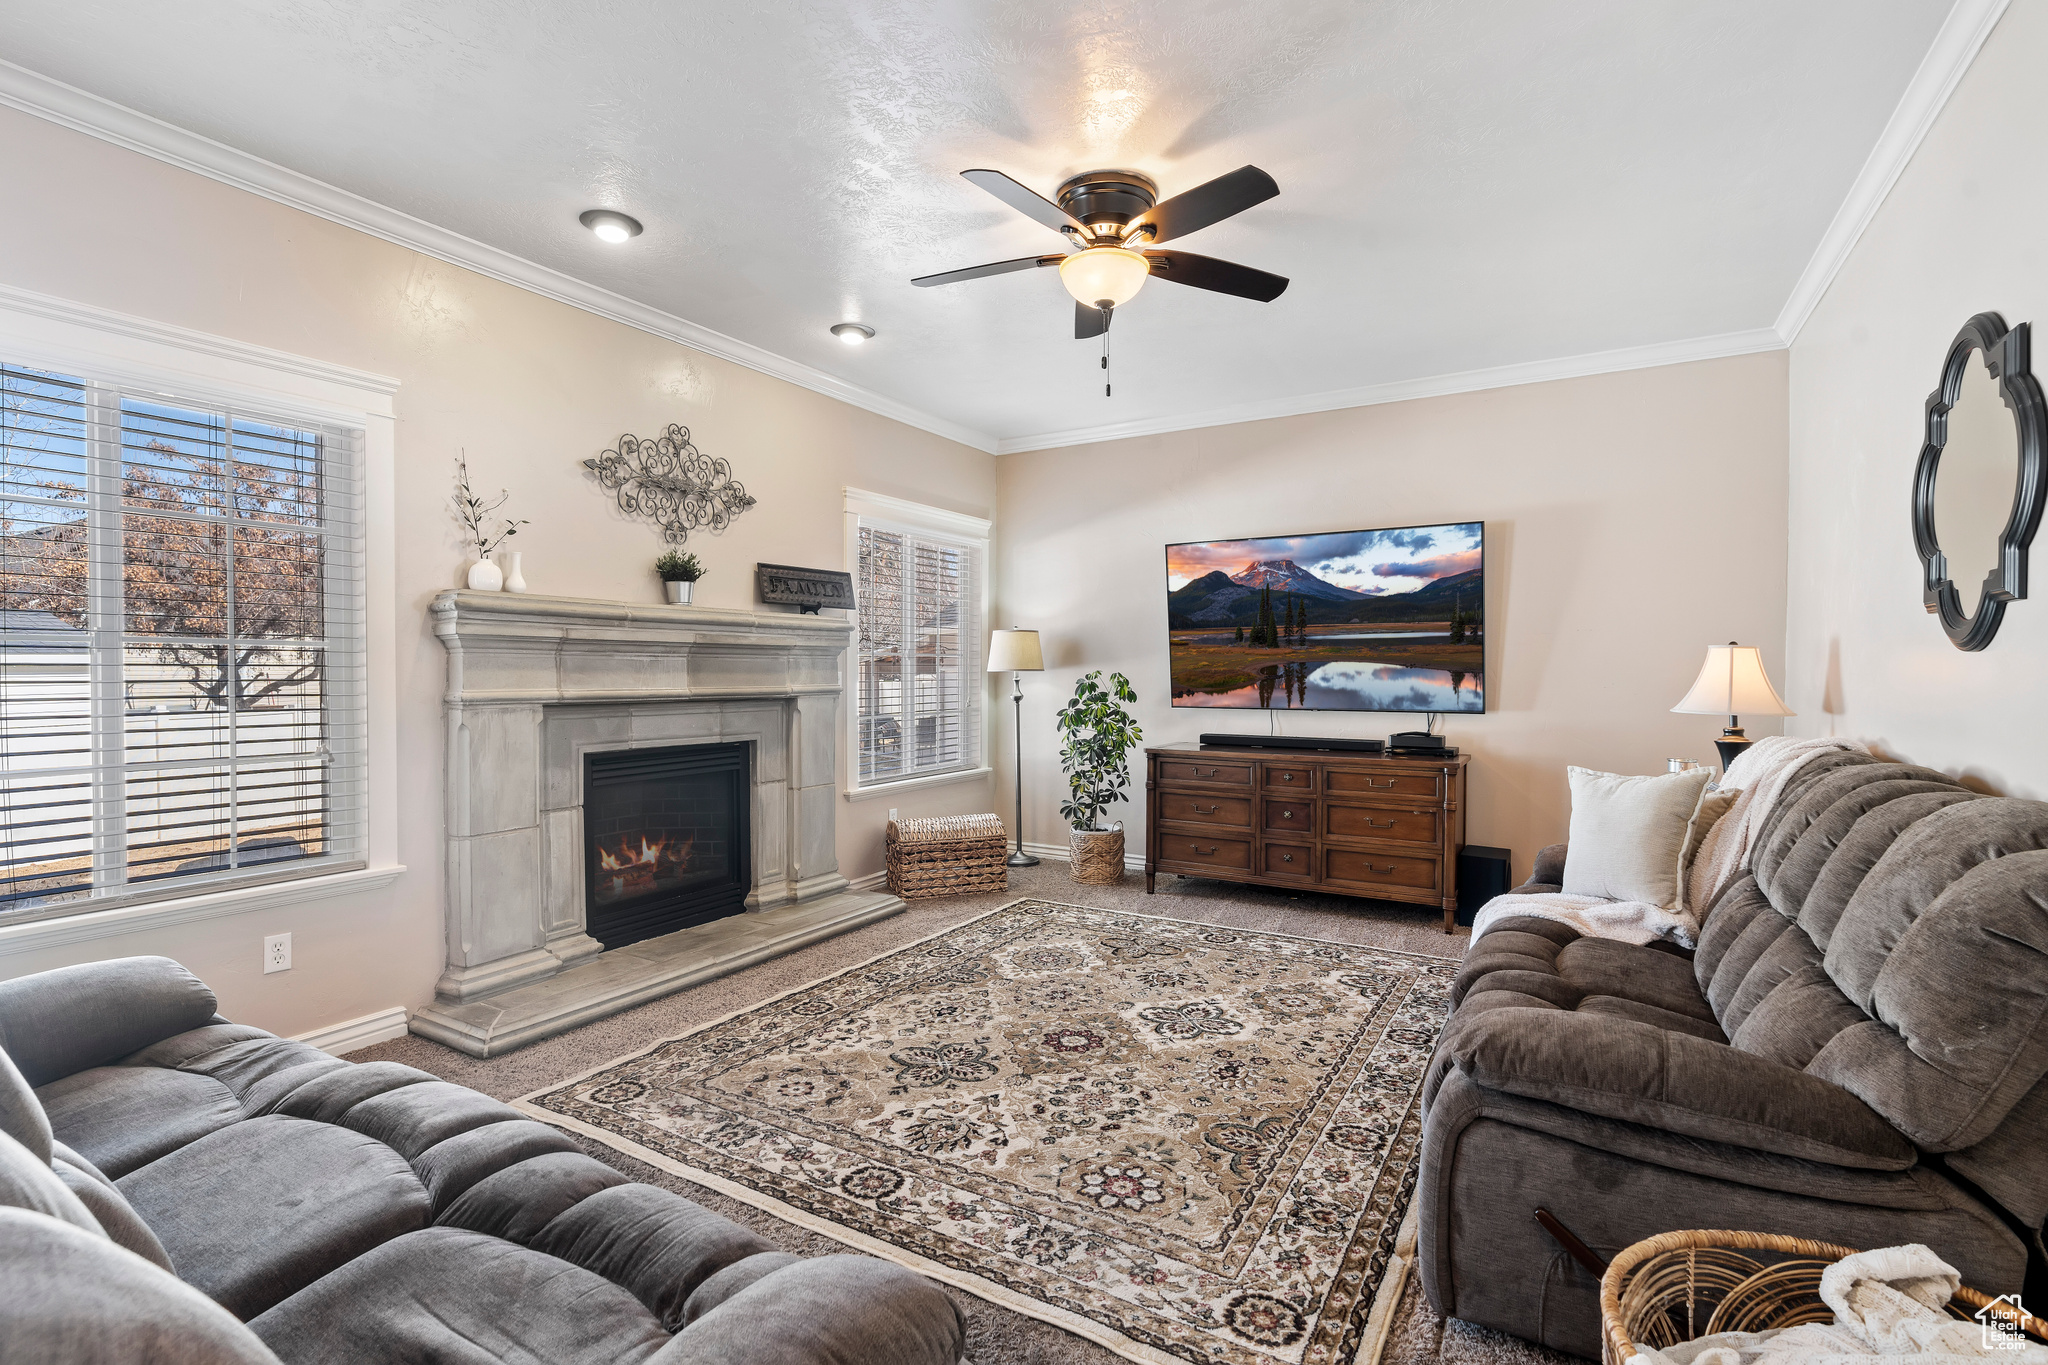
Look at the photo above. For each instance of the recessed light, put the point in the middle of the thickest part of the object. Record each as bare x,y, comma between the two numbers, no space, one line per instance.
609,226
852,333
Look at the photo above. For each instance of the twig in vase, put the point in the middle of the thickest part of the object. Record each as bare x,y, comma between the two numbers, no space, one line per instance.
475,513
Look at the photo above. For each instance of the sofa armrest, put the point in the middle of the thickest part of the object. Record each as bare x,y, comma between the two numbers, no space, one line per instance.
1549,868
57,1023
1638,1073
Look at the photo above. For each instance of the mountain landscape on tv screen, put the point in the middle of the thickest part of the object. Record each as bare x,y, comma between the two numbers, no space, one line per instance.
1387,620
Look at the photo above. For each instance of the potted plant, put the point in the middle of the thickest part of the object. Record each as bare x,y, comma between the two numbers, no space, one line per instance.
679,572
1100,735
475,514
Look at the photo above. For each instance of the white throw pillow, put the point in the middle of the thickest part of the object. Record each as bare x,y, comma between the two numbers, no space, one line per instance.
1628,834
1714,803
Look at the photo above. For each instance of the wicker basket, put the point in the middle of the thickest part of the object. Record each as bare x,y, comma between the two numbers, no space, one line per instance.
952,855
1681,1285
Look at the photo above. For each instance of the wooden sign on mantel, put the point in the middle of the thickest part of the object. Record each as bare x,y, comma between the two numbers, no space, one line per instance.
805,589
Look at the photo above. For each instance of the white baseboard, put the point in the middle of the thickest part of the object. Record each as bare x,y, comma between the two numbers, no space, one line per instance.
1133,862
874,881
351,1034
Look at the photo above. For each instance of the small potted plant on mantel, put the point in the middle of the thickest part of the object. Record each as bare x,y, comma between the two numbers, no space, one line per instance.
1100,735
679,574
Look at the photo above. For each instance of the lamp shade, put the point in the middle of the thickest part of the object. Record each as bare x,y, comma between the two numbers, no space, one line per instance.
1014,651
1104,274
1732,682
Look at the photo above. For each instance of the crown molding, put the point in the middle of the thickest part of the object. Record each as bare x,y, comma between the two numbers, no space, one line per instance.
1433,386
87,113
1962,35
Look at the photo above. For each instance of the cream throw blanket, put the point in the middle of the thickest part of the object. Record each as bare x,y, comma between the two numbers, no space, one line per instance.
1761,771
1888,1306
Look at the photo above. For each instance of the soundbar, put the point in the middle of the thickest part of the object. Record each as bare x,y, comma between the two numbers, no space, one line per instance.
1350,746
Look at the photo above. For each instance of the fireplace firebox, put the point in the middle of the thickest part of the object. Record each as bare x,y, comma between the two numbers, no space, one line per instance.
664,839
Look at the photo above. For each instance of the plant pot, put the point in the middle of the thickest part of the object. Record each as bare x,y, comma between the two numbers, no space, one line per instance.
1096,856
484,576
678,591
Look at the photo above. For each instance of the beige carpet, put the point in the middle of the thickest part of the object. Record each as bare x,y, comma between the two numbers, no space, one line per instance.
996,1335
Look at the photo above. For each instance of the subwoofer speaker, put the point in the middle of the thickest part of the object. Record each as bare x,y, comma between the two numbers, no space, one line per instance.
1483,873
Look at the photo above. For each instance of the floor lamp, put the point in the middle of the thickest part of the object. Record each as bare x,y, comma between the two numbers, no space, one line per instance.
1016,652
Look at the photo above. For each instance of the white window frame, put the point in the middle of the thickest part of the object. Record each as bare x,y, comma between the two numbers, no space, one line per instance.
184,366
884,512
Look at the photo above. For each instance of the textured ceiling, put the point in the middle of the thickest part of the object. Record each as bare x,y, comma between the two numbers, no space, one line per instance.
1463,185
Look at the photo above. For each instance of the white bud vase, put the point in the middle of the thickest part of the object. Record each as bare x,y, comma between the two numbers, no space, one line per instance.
515,581
485,576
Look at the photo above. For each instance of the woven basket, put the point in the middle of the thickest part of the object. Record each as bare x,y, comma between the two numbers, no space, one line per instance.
1095,857
951,855
1681,1285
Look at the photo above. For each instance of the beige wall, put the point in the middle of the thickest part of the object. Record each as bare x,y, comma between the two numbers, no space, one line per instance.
1958,235
1631,520
530,388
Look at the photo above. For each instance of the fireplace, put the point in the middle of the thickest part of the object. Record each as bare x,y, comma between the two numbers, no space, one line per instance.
665,839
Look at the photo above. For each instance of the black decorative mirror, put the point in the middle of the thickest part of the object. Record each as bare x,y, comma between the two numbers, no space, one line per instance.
1978,490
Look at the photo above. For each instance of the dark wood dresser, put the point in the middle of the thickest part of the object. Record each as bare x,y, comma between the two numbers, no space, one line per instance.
1343,823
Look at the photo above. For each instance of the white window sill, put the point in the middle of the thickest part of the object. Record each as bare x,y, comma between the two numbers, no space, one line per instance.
881,789
130,919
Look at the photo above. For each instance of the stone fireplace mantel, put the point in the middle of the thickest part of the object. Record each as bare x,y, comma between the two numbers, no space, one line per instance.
535,684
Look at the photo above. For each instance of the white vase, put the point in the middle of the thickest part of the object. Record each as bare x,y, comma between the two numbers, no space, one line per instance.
678,591
485,576
515,581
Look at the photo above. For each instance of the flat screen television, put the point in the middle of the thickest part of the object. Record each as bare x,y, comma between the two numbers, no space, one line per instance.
1385,620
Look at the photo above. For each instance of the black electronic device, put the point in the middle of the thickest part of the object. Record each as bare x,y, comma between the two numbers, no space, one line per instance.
1483,873
1445,752
1348,746
1415,741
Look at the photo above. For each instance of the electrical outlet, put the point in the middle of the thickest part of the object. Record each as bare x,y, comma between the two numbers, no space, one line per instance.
277,953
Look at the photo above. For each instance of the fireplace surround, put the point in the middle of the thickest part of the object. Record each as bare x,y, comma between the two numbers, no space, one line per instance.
538,687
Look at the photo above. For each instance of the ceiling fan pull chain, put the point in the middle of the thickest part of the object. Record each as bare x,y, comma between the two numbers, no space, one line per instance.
1108,314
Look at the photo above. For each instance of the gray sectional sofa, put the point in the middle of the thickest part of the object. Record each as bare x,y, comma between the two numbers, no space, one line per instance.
1856,1054
178,1188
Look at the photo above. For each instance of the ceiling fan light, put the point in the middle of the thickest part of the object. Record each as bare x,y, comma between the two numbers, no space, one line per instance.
1104,274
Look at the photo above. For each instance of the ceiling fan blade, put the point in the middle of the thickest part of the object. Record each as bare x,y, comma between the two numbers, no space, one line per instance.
975,272
1211,203
1089,322
1224,277
1028,202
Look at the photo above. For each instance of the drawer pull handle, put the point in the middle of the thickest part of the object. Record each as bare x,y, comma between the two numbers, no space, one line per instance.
1286,815
1210,811
1198,772
1377,825
1382,871
1205,852
1389,784
1287,857
1287,777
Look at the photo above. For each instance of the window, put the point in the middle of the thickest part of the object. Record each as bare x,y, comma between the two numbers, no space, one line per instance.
181,645
920,578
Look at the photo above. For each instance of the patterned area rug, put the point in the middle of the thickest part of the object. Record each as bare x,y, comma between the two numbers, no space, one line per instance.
1186,1142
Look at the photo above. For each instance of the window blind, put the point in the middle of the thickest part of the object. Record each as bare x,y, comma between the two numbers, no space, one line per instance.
920,631
182,665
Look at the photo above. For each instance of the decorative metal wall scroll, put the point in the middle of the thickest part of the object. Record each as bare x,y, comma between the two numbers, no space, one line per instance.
805,589
673,482
2005,355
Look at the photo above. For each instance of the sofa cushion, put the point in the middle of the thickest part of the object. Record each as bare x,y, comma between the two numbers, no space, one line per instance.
824,1311
57,1022
409,1119
121,1118
1820,811
1850,861
520,1201
1798,1018
1605,966
325,1098
21,1113
109,1207
657,1244
74,1298
455,1297
28,1182
452,1166
255,1212
1638,1073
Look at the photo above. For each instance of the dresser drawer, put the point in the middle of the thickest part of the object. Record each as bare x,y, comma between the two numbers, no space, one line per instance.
1343,865
1195,808
1193,770
1287,860
1198,851
1366,782
1287,778
1389,823
1284,814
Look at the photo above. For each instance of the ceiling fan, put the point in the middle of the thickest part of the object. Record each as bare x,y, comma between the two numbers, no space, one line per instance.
1108,217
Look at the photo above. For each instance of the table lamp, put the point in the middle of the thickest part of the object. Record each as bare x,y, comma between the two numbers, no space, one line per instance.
1016,652
1731,681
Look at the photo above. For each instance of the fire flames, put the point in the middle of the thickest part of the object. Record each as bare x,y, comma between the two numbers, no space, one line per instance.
625,871
650,854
